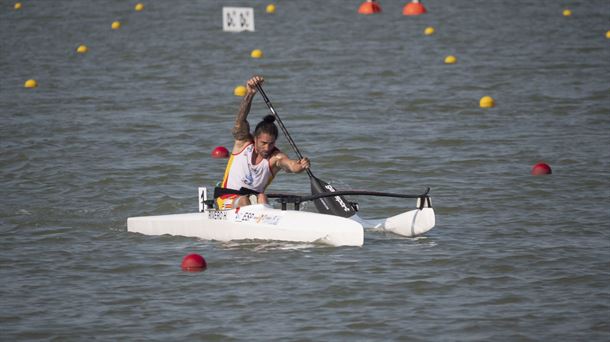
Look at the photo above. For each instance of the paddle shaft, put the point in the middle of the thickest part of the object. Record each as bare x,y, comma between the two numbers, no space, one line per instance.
282,127
337,205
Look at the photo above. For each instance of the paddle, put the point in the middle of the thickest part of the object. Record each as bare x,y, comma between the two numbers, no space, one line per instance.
336,205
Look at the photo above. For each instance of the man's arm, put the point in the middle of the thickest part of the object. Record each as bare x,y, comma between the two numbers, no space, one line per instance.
241,130
290,165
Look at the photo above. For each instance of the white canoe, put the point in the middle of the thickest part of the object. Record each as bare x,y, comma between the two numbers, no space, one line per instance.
259,221
263,222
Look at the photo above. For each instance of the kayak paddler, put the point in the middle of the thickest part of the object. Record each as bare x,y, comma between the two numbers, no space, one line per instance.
255,160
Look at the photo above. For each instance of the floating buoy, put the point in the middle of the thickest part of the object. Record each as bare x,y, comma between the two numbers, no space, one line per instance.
541,169
239,90
369,7
82,49
220,152
31,84
429,31
17,6
193,263
413,8
487,102
116,25
608,34
450,60
139,6
256,53
270,8
567,12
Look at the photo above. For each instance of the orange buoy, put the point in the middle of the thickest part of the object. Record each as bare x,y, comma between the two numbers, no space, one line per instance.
193,263
413,8
541,169
220,152
369,7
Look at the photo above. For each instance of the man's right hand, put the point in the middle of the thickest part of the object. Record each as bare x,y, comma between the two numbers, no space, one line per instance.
251,84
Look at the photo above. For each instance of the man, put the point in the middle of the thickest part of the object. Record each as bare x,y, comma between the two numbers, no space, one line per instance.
255,160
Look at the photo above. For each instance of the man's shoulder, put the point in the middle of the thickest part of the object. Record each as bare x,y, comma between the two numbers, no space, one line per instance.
240,145
277,153
275,157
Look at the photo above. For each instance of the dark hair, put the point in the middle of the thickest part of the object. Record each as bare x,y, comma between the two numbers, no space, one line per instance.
266,126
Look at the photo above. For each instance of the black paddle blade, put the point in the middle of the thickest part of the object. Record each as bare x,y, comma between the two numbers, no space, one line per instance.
337,205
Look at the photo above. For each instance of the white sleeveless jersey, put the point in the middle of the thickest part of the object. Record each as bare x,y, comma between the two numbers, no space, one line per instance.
241,172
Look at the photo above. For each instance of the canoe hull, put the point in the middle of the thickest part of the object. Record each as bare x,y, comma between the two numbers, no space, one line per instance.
261,222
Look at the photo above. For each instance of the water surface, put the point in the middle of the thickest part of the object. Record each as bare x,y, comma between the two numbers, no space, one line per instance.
127,130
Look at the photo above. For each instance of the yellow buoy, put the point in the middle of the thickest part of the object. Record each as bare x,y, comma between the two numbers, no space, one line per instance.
487,102
31,84
239,91
608,34
429,31
116,25
139,6
270,8
17,5
82,49
450,60
256,53
567,13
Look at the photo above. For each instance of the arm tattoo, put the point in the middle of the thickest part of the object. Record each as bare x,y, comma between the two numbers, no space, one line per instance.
241,130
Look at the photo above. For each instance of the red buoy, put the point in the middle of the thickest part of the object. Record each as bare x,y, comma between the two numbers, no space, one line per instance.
194,263
541,169
369,7
413,8
220,152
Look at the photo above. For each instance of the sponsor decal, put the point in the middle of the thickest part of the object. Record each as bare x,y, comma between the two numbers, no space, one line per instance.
248,179
257,218
244,216
217,215
338,199
268,219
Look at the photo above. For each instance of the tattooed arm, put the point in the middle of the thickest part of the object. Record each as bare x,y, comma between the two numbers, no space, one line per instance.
241,130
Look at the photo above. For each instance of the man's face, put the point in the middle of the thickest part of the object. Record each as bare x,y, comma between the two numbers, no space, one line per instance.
264,144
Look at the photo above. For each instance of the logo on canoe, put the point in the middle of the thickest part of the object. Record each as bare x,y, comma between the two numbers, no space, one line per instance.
257,218
243,216
217,215
267,219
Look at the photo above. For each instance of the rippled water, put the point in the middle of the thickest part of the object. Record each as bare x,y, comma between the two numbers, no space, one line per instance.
127,130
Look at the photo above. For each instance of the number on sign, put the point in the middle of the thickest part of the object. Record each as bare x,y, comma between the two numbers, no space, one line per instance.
237,19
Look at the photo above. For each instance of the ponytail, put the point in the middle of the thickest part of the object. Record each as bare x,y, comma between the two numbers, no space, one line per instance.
267,125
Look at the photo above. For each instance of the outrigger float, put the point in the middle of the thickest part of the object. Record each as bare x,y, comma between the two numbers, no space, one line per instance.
264,222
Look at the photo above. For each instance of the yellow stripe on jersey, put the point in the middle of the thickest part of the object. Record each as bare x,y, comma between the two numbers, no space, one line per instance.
225,178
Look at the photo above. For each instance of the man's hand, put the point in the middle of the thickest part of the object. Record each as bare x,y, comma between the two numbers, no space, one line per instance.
282,161
303,164
252,83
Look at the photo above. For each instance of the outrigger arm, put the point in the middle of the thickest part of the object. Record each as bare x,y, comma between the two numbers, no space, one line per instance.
423,199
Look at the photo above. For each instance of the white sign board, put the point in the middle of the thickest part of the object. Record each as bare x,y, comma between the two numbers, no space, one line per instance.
237,19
